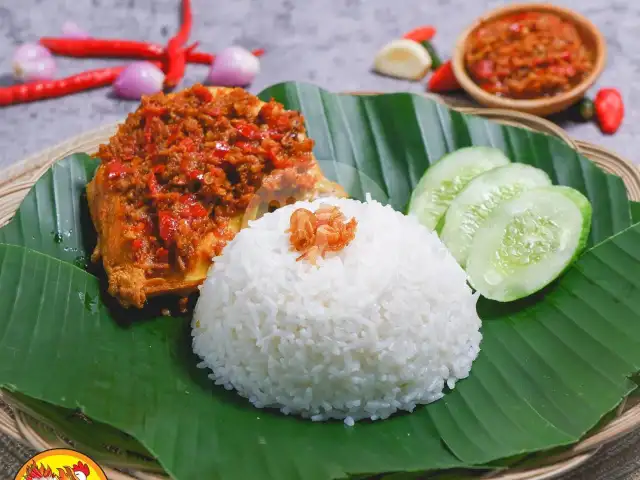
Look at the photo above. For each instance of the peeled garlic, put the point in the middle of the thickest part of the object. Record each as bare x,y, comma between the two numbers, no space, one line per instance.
403,58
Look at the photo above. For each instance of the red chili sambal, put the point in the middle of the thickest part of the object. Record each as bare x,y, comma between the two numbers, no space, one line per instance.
527,55
177,177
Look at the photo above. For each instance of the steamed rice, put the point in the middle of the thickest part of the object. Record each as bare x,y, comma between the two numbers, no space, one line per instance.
381,326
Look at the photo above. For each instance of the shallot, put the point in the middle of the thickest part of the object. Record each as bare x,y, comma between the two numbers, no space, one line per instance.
33,62
233,67
138,79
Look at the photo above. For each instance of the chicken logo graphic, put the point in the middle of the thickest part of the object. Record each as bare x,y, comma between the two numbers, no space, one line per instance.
60,464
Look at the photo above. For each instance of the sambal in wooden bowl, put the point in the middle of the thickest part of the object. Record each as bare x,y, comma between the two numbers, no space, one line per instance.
535,58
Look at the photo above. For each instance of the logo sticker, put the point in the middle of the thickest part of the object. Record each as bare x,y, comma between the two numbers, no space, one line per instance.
60,464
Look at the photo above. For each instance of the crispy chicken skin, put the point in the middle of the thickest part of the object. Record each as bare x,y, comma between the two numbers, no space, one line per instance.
183,175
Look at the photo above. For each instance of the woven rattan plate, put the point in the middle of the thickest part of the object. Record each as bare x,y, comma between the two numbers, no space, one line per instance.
15,422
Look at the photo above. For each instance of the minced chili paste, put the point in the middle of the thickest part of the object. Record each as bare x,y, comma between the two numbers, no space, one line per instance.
527,55
183,165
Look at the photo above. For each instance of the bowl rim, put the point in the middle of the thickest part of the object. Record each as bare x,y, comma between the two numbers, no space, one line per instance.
475,91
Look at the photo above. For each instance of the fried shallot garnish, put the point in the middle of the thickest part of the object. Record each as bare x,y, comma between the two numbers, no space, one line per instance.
315,233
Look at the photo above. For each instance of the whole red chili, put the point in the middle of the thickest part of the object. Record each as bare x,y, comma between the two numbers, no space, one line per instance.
103,47
176,58
98,47
443,79
609,109
30,92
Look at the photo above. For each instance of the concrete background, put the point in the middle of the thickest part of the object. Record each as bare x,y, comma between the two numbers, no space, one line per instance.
328,42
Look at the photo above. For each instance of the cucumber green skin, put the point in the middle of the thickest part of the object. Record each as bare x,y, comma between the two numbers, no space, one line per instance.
441,222
447,177
584,205
585,210
459,224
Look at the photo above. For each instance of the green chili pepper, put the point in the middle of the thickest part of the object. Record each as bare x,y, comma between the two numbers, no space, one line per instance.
435,58
586,109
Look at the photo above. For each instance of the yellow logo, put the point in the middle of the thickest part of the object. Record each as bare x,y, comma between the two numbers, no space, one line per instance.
60,464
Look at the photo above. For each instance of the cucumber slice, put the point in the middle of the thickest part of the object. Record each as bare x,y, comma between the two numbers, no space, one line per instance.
528,241
473,205
447,177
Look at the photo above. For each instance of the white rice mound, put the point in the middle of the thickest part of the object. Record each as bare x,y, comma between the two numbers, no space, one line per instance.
381,326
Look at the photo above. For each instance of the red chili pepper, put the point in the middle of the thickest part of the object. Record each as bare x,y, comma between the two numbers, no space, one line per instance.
116,169
31,92
493,87
202,92
176,57
212,111
168,225
176,65
106,47
155,111
281,122
249,131
90,47
149,114
443,79
247,147
159,169
565,56
137,244
191,207
187,199
195,175
221,149
483,69
609,109
174,136
198,210
518,17
162,254
420,34
187,144
277,161
152,183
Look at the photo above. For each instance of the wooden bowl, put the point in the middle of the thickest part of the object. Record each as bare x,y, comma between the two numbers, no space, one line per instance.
591,36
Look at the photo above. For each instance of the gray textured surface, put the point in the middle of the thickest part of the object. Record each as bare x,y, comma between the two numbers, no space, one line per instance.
328,42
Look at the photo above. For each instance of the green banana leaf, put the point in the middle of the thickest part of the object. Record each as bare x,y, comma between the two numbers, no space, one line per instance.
101,442
388,141
551,366
54,216
635,211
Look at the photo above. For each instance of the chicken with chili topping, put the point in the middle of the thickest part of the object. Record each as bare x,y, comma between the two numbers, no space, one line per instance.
183,175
